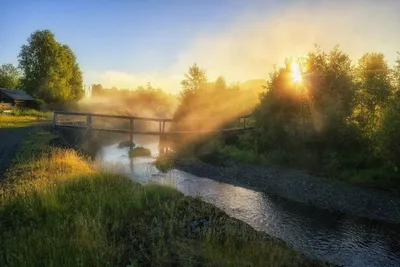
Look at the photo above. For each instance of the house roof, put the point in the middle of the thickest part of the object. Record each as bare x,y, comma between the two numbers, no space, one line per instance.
16,94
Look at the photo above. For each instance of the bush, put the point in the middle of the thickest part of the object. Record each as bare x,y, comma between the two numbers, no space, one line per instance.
126,144
30,112
164,162
139,152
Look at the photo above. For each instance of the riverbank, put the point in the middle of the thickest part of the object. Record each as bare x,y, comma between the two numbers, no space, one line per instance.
57,209
298,186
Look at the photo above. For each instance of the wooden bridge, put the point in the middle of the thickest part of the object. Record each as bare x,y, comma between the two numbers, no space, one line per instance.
84,121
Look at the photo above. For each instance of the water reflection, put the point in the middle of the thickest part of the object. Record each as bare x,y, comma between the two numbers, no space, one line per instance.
346,240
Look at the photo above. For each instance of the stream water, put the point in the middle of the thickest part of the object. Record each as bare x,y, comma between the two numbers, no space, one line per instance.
345,240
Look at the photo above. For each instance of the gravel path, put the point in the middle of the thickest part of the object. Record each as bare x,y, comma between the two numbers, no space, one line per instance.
9,141
297,186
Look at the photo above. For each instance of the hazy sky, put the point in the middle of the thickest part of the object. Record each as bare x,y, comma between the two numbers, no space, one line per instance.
126,43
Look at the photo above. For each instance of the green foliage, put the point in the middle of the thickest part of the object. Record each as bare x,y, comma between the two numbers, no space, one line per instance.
126,144
10,76
30,112
341,120
375,90
54,202
241,155
139,152
164,162
388,135
50,69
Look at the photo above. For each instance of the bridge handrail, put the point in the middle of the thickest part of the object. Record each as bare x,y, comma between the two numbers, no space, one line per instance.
134,117
110,116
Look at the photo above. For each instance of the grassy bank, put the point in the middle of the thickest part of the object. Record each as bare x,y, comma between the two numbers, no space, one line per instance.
331,167
56,210
20,117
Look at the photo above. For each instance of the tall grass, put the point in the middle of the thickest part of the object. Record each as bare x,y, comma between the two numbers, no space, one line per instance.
55,210
19,117
30,112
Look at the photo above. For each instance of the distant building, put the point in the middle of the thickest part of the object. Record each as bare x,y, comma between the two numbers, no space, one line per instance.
14,97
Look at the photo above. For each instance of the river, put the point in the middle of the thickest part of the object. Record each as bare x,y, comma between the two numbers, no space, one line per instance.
345,240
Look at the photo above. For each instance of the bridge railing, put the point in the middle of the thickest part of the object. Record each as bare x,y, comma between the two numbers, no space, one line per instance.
82,120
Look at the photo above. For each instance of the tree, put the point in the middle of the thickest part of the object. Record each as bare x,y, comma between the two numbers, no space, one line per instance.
10,76
375,89
50,69
195,79
389,132
190,98
97,90
396,82
310,116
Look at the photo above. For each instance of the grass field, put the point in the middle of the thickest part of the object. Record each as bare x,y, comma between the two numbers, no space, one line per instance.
20,117
56,210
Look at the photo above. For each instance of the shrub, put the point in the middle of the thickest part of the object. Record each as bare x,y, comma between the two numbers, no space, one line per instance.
126,144
139,152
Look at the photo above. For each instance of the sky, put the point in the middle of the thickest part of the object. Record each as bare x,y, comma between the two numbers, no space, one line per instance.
126,43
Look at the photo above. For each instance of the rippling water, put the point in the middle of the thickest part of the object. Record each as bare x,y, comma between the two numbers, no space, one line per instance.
345,240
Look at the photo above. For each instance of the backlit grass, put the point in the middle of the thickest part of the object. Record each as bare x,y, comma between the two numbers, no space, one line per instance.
55,210
9,120
20,117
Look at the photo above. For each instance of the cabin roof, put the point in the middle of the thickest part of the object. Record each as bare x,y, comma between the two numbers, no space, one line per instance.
16,94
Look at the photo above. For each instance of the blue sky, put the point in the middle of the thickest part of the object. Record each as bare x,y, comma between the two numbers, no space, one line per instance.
122,35
124,42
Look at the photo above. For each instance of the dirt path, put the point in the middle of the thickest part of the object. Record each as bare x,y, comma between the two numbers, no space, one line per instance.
10,138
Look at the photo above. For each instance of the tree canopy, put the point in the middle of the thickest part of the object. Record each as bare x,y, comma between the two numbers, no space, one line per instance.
10,76
51,71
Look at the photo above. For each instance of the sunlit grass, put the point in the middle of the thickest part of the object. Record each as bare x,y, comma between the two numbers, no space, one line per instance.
20,117
9,121
55,210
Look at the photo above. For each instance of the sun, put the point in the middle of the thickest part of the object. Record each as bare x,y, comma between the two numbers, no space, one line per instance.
296,73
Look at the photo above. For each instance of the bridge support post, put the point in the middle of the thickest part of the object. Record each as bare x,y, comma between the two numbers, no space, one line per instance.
89,127
162,145
54,121
131,125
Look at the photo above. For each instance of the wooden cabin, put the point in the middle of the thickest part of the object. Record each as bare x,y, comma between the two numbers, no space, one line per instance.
14,98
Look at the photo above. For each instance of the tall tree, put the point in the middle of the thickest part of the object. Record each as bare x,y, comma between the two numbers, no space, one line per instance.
51,71
397,73
375,88
10,76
